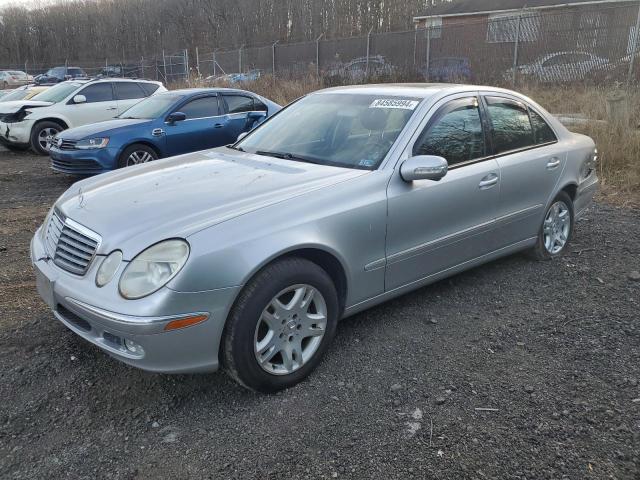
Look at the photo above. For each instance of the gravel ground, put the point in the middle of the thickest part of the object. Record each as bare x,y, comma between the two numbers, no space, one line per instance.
515,370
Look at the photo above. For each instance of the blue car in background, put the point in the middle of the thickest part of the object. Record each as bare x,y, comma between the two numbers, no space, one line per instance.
164,125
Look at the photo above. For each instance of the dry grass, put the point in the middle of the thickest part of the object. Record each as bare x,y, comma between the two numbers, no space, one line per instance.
618,147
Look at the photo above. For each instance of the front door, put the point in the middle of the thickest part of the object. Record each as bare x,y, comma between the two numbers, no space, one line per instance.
101,105
203,128
434,226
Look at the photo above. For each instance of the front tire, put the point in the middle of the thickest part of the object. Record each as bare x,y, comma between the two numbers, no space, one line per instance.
136,154
41,133
556,229
280,326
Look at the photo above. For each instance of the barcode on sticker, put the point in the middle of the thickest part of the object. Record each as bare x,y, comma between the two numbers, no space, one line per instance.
394,103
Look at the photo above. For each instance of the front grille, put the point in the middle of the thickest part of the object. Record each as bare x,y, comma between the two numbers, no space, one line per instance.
67,145
76,165
71,246
72,318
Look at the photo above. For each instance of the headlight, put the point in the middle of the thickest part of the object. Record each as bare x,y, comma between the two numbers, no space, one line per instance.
108,268
92,143
153,268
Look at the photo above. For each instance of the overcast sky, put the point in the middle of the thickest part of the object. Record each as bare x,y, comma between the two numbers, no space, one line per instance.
26,3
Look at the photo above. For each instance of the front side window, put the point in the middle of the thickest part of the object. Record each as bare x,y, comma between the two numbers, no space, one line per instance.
128,91
511,127
455,133
341,129
98,92
239,103
201,108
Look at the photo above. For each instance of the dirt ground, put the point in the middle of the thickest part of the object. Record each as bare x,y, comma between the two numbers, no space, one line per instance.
515,370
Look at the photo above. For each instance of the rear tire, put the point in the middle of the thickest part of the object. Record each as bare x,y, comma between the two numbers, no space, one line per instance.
556,230
136,154
40,133
280,326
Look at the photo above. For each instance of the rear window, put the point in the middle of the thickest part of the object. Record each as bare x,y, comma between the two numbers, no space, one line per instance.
239,103
149,88
511,125
541,129
128,91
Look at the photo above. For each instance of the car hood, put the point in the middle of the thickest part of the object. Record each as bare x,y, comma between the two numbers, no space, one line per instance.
108,127
135,207
12,107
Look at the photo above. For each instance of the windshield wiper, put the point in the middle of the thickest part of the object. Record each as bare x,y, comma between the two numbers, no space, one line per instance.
288,156
240,149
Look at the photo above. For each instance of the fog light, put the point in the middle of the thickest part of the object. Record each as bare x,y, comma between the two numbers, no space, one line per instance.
133,347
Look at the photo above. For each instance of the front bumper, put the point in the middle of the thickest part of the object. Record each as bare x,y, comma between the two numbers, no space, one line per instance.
17,133
86,310
83,162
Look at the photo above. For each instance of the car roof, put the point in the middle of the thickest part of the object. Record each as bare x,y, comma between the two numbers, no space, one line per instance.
194,91
416,90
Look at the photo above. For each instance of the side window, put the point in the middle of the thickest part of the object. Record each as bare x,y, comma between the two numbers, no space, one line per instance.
511,125
128,91
258,106
149,88
201,108
455,133
239,103
541,130
98,92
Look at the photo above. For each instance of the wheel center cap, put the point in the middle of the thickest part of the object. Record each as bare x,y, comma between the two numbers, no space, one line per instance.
291,325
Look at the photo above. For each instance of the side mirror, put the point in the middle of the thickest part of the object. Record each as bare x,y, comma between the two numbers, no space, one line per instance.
241,136
424,167
79,99
176,117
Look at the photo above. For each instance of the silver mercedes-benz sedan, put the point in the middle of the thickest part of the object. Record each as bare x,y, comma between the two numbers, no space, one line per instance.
246,256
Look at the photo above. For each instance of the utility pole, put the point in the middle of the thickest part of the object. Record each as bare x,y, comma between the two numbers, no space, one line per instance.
318,54
634,46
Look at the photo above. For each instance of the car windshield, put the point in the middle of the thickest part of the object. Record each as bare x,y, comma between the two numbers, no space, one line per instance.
58,92
344,130
16,95
151,107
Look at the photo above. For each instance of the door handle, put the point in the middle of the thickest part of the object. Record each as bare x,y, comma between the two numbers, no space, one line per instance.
488,181
112,108
218,125
554,162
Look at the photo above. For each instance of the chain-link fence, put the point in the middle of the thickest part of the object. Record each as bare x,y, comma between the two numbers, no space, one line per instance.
596,44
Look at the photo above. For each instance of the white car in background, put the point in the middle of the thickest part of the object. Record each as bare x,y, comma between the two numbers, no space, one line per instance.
14,78
33,123
560,67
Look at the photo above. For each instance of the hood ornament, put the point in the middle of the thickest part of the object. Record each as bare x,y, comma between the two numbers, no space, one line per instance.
80,198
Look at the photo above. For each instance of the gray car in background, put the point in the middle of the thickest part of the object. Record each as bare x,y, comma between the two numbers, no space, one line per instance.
247,256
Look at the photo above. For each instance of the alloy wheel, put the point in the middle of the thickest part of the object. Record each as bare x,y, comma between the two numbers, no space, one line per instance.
45,137
556,227
290,329
138,157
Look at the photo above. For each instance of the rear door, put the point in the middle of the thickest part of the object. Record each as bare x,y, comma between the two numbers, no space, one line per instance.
434,226
128,94
531,161
101,105
203,128
238,108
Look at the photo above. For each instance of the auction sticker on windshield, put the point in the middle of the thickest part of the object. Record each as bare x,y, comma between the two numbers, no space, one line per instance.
394,103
